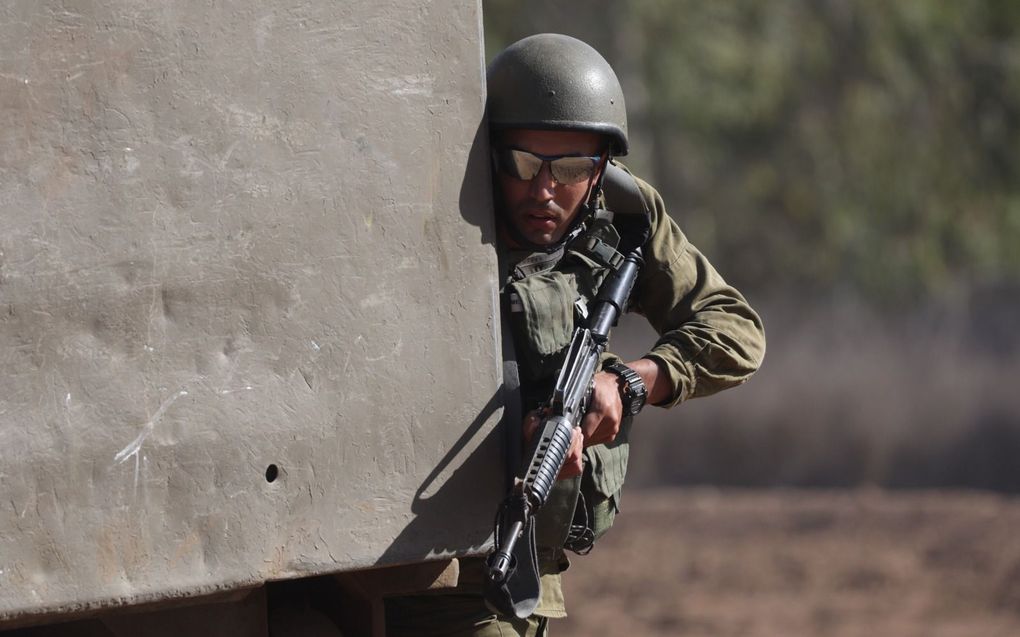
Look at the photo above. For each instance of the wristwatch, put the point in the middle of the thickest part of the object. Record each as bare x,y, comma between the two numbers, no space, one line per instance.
632,389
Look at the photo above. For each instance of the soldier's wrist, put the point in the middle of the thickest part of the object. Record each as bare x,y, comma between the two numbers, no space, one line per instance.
633,393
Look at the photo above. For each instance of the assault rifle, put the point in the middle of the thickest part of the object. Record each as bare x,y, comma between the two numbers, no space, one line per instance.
513,586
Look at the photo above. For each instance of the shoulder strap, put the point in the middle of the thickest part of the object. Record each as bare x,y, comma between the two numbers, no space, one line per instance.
631,212
622,193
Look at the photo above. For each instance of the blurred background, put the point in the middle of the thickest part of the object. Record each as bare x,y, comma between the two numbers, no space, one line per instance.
852,168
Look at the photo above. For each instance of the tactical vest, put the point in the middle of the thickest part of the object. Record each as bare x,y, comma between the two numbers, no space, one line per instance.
548,295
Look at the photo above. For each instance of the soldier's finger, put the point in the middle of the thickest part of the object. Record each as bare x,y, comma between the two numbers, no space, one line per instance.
608,428
531,422
574,464
590,426
599,428
571,470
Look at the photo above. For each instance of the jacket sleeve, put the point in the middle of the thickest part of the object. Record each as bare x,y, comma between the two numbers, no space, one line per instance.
709,337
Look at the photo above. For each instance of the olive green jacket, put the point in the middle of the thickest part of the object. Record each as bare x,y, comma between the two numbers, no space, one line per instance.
709,340
709,337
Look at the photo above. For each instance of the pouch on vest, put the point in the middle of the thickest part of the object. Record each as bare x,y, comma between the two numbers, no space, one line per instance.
552,524
605,470
546,319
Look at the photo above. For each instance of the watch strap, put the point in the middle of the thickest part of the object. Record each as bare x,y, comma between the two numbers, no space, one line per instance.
632,388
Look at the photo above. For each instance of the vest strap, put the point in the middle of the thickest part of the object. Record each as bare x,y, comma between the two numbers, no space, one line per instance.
602,252
536,262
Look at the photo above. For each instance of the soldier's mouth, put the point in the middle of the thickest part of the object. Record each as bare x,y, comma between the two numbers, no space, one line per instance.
540,214
544,222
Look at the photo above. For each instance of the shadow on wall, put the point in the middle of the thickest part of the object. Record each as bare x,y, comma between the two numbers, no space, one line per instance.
849,396
434,507
475,199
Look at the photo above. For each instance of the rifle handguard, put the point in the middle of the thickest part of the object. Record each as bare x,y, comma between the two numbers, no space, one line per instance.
550,448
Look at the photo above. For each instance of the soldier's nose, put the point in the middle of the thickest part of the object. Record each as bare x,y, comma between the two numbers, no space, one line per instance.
543,185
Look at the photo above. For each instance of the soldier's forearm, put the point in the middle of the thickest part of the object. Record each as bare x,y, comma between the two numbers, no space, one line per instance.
656,380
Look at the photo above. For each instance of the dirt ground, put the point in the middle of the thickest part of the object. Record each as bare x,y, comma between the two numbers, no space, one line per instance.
703,562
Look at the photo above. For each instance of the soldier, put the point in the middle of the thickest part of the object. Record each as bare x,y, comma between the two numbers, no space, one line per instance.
557,121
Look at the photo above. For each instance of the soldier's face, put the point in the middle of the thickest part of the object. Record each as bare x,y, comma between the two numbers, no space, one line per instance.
542,208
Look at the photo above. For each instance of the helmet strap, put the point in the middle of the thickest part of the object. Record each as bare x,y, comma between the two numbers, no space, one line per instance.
595,189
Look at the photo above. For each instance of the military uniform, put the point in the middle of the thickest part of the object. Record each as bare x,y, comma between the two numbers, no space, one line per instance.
710,339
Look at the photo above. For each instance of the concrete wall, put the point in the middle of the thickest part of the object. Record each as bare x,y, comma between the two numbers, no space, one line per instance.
238,239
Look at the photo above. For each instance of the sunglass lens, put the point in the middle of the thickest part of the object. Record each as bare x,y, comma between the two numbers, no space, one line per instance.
572,170
522,164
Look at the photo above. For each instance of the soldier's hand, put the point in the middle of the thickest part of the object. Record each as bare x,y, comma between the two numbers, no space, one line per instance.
574,464
602,422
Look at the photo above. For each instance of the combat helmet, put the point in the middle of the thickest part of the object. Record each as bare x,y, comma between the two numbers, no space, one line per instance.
552,81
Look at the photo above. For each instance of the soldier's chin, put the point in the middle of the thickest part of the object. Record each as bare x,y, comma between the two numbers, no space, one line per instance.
540,238
539,233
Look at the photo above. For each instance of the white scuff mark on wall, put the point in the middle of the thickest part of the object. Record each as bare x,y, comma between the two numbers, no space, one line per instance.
77,70
147,428
407,263
226,156
224,392
374,300
347,363
67,410
420,84
131,163
15,78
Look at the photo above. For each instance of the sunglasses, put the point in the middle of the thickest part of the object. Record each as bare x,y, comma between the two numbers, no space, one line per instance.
525,165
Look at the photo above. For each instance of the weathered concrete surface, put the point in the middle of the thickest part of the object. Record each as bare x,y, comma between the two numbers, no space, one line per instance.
238,235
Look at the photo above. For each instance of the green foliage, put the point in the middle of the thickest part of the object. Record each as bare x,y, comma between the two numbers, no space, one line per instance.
866,146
